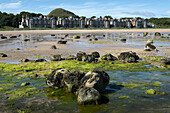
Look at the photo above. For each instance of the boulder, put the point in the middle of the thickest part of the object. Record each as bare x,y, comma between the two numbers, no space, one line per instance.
109,57
88,95
96,79
123,40
76,37
52,34
90,39
66,35
88,58
26,39
13,36
71,57
96,39
128,57
62,42
79,55
149,46
53,47
55,79
88,36
25,60
165,61
3,55
56,58
3,37
73,81
157,34
95,54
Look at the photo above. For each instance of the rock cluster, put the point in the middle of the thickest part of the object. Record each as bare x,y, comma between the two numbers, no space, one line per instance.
88,87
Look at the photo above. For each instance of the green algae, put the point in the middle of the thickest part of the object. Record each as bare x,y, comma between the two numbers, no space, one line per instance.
123,97
129,85
156,40
6,86
22,92
102,42
154,92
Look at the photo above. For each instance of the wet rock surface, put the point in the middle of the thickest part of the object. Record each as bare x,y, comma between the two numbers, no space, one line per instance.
128,57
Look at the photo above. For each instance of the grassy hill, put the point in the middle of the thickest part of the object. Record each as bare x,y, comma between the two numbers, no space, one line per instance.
59,12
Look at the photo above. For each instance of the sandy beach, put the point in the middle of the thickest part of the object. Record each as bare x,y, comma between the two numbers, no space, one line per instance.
84,31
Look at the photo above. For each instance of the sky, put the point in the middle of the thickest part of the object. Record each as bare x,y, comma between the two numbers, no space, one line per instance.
88,8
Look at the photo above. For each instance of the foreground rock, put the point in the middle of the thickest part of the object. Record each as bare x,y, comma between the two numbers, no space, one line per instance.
38,60
56,58
3,37
88,95
96,79
88,87
93,57
128,57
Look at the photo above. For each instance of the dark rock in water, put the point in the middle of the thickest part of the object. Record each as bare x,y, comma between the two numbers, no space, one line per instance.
88,36
25,60
52,34
123,40
66,35
56,58
53,47
62,38
165,61
3,37
71,57
96,54
13,36
76,37
90,39
157,34
109,57
96,39
40,60
55,79
149,46
62,42
3,55
18,49
79,55
87,95
128,57
96,79
104,35
26,40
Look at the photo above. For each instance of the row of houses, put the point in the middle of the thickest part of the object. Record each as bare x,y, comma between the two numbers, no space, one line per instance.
46,22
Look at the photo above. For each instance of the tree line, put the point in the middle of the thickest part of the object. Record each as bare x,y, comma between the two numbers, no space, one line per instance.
13,20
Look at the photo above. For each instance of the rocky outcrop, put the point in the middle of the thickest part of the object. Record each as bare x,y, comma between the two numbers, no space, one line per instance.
149,46
3,37
128,57
53,47
79,55
56,58
13,36
88,87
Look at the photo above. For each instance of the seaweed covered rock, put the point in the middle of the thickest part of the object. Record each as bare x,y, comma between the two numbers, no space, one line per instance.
62,78
25,60
3,55
88,95
128,57
165,61
157,34
76,37
109,57
88,58
56,58
95,54
55,79
145,33
149,46
79,55
96,79
73,81
71,57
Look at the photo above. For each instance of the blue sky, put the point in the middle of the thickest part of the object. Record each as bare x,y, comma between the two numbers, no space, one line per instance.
88,8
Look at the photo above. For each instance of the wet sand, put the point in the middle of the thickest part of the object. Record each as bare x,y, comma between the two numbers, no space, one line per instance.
84,31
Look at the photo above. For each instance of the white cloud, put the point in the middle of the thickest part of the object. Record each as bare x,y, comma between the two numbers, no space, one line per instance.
141,13
168,12
10,5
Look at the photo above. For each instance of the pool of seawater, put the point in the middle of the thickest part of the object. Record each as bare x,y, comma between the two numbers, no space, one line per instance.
136,100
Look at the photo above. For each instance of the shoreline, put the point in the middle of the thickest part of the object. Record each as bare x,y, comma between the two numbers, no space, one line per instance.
84,31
